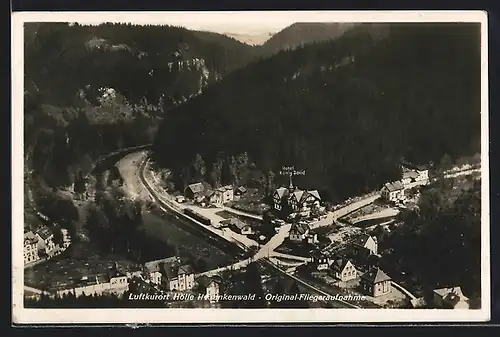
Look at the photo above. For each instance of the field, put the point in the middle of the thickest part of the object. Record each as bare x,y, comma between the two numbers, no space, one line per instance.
372,208
225,214
174,233
373,222
294,248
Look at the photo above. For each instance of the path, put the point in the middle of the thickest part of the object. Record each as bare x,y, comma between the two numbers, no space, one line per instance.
453,174
131,180
404,290
388,212
238,212
291,257
36,291
332,216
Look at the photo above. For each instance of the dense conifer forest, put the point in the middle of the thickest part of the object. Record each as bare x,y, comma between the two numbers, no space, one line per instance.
114,82
346,111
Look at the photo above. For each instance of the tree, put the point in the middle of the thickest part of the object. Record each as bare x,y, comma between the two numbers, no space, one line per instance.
446,163
58,236
270,184
286,208
199,168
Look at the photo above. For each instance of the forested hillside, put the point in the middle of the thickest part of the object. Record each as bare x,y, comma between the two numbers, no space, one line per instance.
300,34
90,90
345,111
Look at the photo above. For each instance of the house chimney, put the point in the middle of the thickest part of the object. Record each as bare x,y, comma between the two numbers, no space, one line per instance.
290,187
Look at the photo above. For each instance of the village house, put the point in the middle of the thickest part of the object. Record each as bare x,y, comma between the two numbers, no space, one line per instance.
180,199
181,278
450,298
278,196
375,282
197,191
240,191
104,283
320,260
393,191
154,269
66,238
421,172
170,274
343,269
409,177
46,241
365,242
299,232
222,195
240,227
30,248
300,202
211,286
312,238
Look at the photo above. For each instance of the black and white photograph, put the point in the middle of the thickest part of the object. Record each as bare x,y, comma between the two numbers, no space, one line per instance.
220,161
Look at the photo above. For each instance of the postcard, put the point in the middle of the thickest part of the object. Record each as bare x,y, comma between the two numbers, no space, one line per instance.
250,167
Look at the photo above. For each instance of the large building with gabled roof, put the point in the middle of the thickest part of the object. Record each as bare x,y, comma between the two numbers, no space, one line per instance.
375,282
298,201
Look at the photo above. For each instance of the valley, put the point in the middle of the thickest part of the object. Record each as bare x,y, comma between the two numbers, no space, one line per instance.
316,163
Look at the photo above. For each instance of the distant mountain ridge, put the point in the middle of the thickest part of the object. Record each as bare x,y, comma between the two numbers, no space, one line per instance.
299,34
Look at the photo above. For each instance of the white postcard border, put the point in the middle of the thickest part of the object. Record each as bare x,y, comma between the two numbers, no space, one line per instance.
190,316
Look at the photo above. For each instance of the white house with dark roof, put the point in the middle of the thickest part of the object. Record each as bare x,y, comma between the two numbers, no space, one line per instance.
409,177
422,172
183,278
30,248
365,242
46,241
211,286
300,201
223,194
104,283
278,196
321,260
240,191
375,282
393,191
154,268
450,298
170,274
240,227
299,232
343,269
197,191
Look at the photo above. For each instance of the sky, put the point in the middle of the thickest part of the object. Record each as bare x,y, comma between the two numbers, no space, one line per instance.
253,27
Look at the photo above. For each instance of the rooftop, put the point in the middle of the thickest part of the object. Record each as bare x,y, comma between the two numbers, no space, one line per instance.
30,238
339,264
154,266
410,174
394,186
375,275
44,232
301,228
361,239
